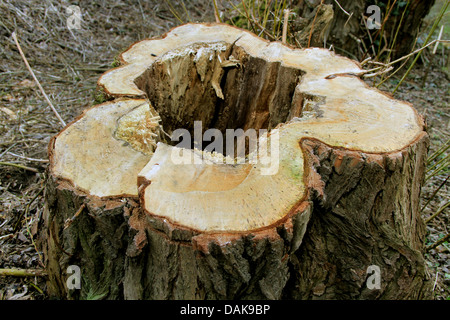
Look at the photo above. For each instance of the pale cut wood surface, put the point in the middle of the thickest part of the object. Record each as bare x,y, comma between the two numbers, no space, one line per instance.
229,198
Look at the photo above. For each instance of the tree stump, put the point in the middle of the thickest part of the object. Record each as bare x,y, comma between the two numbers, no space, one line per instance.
325,207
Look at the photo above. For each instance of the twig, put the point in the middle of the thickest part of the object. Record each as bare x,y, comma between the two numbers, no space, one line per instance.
9,148
439,242
186,11
216,12
365,61
312,25
380,32
26,158
370,38
427,70
263,29
416,51
19,166
36,80
378,73
388,65
69,221
7,236
285,25
434,193
438,152
394,41
435,280
436,171
439,38
437,212
36,287
55,239
348,14
23,272
174,12
142,11
393,73
248,16
438,163
339,5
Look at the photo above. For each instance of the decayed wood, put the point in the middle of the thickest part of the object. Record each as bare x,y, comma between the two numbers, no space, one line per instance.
343,195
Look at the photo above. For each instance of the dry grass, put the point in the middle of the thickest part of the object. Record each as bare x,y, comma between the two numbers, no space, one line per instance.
68,64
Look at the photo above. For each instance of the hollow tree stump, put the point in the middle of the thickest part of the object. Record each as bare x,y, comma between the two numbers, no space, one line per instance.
332,191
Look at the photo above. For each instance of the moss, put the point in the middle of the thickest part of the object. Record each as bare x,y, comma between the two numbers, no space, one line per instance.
116,62
100,96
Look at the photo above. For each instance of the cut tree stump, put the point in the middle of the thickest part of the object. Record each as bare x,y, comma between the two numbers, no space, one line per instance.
327,210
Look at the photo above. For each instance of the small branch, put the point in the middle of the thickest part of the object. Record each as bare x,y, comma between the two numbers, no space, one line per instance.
438,163
377,73
437,212
434,193
416,51
216,12
23,272
365,61
69,221
248,16
348,14
174,12
285,25
339,5
36,80
19,166
383,67
439,38
435,281
438,152
7,236
439,242
312,25
26,158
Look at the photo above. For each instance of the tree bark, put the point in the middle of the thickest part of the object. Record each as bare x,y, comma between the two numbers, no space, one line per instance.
367,216
330,193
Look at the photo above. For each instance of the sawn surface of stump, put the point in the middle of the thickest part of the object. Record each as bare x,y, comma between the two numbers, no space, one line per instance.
332,190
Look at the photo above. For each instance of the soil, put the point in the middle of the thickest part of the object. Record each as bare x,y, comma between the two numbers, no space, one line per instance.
68,62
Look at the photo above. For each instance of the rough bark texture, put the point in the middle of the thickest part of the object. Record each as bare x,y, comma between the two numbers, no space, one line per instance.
368,215
141,226
253,266
96,241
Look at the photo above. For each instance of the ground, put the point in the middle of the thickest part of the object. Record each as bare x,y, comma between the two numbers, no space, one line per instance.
68,63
